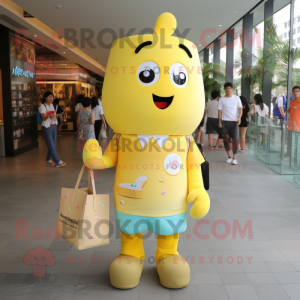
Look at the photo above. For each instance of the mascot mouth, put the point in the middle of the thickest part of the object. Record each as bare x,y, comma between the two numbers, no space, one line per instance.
162,102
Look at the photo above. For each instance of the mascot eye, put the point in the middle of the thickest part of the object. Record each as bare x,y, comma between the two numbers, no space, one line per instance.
147,76
178,75
148,73
179,79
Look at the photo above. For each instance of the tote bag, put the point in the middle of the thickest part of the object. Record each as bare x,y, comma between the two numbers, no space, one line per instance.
83,218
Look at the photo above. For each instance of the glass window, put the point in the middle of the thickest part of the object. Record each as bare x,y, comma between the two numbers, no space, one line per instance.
278,59
237,57
211,54
294,42
296,62
257,51
294,31
292,146
298,18
298,30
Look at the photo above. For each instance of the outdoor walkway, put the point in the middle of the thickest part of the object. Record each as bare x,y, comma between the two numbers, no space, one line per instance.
264,264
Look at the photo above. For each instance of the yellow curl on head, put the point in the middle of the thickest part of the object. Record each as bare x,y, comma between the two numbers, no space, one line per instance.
165,24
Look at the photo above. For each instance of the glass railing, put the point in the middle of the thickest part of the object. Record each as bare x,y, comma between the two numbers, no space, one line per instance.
271,142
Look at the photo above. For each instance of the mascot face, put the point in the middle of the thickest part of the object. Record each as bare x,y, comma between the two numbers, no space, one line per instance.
153,83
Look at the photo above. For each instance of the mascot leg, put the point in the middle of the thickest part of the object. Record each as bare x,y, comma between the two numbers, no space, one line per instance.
172,269
126,270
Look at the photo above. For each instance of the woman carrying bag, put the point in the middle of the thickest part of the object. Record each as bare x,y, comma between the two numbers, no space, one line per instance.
59,112
86,120
49,123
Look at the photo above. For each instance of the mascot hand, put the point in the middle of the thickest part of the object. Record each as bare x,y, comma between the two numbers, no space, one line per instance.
201,203
92,154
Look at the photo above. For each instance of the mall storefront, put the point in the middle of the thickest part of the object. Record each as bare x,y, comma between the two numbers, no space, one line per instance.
26,73
18,99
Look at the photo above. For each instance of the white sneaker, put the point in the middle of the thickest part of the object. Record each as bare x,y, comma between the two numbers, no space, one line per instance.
212,148
229,160
216,148
242,150
50,163
234,162
60,164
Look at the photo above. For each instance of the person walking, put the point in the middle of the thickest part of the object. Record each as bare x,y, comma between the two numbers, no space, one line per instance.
228,108
59,112
78,105
99,117
102,129
279,110
86,120
212,124
262,111
49,123
294,110
244,123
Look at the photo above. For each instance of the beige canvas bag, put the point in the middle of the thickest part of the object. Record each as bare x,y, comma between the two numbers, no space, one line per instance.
83,218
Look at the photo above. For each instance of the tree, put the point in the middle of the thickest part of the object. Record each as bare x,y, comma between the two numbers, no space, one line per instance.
213,78
273,60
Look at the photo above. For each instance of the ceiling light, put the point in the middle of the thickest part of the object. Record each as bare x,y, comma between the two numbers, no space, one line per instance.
64,52
58,6
199,45
220,25
209,36
235,11
35,35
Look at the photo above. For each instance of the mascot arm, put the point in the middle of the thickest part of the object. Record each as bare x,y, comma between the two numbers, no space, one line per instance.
93,158
197,192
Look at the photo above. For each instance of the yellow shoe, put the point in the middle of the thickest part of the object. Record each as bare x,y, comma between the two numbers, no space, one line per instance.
125,272
173,272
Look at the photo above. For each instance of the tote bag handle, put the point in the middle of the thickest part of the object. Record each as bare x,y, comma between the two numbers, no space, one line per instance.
90,175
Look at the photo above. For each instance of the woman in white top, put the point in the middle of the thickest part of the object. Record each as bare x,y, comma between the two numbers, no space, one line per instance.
79,106
99,117
212,124
262,111
49,123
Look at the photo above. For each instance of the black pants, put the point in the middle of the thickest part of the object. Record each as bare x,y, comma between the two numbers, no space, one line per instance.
98,124
230,128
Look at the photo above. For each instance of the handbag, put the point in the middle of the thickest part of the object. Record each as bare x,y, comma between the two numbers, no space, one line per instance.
83,218
204,169
80,134
103,132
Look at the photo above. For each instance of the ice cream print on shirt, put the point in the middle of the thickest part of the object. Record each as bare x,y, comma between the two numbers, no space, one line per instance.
132,190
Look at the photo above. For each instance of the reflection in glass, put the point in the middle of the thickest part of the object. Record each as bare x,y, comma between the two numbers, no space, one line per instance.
211,54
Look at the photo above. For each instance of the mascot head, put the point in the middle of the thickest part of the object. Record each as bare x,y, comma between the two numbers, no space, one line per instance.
153,83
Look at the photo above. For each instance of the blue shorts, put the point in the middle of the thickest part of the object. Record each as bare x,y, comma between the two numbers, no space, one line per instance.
132,224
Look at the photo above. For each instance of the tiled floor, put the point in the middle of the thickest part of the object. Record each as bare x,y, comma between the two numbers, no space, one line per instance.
223,266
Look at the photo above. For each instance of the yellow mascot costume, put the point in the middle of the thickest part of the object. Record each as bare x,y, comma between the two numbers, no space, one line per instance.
153,99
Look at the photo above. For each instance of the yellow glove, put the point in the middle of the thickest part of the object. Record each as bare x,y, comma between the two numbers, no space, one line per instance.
92,154
201,203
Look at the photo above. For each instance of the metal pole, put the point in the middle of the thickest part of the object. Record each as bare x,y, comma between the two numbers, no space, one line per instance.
296,152
282,149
